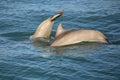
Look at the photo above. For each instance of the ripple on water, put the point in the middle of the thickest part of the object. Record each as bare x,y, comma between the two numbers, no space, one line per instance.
22,60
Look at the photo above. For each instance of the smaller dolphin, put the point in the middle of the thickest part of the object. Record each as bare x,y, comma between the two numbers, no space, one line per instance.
45,28
68,37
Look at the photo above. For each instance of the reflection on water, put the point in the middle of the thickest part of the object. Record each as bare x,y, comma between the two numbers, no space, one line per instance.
76,50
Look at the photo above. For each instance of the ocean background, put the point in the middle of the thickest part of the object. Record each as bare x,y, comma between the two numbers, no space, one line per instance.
20,59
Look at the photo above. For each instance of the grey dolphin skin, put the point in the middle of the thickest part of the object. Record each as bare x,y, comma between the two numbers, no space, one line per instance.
45,28
68,37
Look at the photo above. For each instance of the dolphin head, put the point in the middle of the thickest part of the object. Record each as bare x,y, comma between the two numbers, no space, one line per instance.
45,28
59,13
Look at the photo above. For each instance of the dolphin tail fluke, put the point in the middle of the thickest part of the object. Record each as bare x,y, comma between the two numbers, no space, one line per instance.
59,13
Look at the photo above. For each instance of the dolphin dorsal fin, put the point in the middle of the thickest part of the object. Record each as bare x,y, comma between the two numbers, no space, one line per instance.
59,30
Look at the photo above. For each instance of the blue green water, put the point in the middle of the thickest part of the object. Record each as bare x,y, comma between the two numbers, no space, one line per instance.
22,60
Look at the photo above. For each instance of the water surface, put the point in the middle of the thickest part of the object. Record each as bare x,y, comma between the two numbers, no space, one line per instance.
22,60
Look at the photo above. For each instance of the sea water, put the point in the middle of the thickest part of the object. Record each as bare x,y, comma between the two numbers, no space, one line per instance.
20,59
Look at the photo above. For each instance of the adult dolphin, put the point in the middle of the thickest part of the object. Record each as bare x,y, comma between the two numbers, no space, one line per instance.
68,37
45,28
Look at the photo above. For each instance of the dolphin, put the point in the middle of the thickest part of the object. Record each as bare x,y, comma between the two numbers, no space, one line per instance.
68,37
45,28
